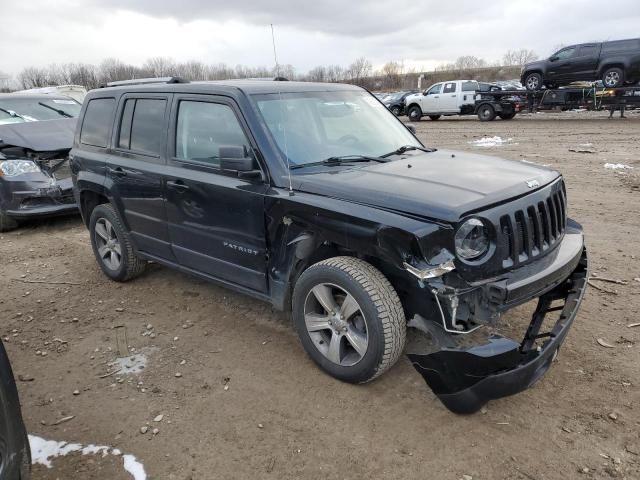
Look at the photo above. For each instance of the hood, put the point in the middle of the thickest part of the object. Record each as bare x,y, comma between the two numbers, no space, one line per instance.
44,136
534,65
442,185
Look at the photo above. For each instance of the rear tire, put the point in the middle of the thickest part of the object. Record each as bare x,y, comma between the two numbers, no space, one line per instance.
486,113
365,335
7,223
613,77
112,245
415,113
533,81
396,111
434,117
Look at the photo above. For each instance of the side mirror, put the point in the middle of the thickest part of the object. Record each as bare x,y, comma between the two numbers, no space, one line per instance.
236,157
553,59
425,93
411,128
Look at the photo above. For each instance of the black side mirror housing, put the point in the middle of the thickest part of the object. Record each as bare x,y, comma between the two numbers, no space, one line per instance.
236,157
553,59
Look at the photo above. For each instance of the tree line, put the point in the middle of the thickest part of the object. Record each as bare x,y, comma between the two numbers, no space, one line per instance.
392,75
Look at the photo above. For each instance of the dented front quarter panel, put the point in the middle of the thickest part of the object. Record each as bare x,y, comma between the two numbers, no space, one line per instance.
299,225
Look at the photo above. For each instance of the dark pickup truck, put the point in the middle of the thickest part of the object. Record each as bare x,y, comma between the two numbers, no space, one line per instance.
317,199
616,63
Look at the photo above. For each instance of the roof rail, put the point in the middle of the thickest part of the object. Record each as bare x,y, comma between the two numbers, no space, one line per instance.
145,81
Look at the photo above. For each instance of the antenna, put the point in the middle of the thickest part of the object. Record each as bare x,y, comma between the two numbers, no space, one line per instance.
282,124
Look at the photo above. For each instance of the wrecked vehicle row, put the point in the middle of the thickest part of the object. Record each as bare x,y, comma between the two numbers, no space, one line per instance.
36,135
315,198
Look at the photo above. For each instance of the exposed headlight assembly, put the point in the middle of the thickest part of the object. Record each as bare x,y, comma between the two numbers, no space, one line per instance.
472,239
11,168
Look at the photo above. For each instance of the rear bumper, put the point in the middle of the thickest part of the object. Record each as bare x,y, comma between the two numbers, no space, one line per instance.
464,379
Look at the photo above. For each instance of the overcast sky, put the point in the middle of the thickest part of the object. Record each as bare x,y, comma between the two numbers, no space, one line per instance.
308,33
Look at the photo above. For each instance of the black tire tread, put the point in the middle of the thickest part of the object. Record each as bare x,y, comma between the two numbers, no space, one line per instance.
386,301
135,265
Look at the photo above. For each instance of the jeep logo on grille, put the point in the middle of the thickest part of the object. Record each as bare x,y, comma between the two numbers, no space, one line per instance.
533,183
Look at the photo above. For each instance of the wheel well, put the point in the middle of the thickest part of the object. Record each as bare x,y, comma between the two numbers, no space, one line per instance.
88,201
612,65
411,105
329,250
529,72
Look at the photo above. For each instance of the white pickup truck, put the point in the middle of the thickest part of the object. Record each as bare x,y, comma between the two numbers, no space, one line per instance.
457,97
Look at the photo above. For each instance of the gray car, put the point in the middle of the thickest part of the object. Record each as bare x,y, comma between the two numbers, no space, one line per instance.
36,134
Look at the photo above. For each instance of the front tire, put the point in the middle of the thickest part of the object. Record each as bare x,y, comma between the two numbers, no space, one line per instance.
349,319
533,81
112,245
7,223
415,113
396,111
613,77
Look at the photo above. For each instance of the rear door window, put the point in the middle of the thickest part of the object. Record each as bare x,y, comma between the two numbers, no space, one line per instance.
96,125
142,125
203,127
588,51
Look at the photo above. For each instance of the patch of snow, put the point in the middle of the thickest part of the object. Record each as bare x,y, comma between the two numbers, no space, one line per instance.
43,451
586,145
617,166
491,142
131,365
535,163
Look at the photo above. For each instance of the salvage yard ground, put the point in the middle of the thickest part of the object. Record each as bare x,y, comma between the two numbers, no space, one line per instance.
227,392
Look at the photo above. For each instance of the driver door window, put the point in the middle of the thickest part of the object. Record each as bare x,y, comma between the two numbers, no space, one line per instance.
436,89
202,128
566,53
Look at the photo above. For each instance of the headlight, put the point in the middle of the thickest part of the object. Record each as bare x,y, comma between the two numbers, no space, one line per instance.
472,239
11,168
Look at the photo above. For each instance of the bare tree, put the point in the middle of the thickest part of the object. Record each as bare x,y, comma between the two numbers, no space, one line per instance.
33,77
518,57
359,70
391,73
469,61
160,66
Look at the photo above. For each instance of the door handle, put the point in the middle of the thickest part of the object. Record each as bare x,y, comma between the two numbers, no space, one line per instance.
454,95
436,96
118,172
178,185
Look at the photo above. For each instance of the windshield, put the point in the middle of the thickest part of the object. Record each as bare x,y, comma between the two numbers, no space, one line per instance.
313,126
40,108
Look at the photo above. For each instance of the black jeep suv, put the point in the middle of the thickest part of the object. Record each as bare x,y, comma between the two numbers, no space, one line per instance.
316,198
615,63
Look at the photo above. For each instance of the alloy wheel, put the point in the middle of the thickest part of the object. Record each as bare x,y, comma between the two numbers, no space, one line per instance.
532,83
611,79
109,248
336,324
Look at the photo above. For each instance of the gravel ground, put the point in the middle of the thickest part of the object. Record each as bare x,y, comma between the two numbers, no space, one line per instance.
240,399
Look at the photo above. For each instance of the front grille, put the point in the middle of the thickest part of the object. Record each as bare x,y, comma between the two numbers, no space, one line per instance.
534,229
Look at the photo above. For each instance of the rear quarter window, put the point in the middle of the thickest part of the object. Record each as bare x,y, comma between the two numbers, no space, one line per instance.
621,45
96,125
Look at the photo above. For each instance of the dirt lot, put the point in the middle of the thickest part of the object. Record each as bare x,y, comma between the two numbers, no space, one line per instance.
240,399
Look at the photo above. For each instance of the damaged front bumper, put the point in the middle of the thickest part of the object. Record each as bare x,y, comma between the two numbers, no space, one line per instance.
465,378
36,195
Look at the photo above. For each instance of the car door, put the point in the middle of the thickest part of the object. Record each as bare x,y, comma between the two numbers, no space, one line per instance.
585,62
216,219
431,99
561,65
449,97
135,169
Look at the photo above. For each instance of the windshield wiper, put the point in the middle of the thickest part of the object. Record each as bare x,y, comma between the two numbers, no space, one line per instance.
11,113
57,110
339,160
406,148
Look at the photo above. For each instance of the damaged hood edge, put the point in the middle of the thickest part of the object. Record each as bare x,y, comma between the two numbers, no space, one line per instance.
43,136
